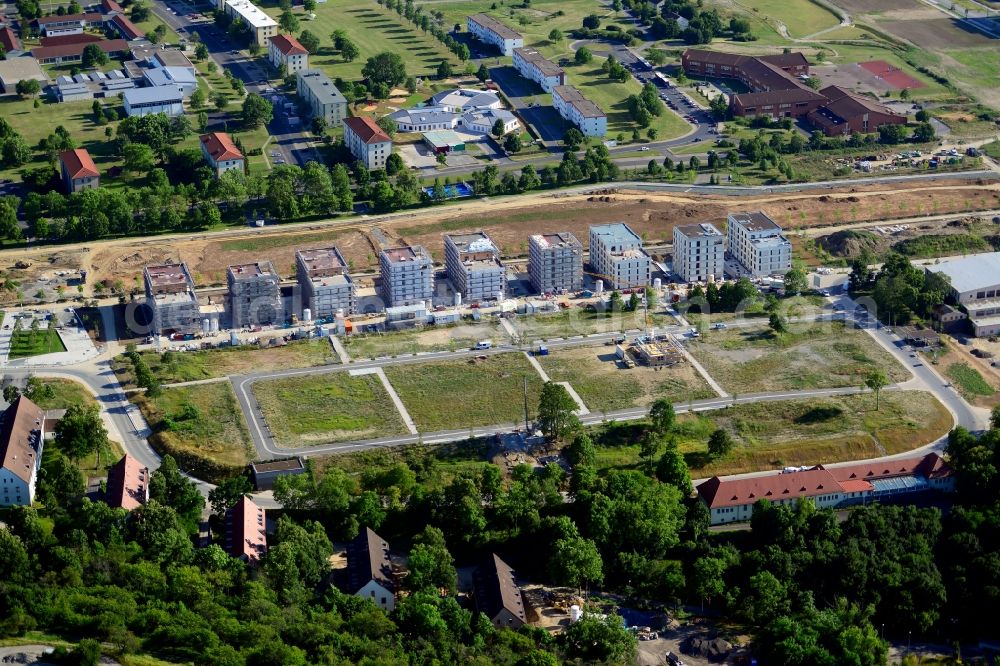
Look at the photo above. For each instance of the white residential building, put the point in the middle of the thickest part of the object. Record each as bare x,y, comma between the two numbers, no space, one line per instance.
534,66
324,99
483,120
487,29
580,111
758,244
425,119
221,153
262,26
325,282
616,254
367,141
458,100
22,438
474,267
699,252
407,276
286,50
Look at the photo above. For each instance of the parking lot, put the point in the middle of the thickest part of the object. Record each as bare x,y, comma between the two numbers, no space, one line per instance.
531,102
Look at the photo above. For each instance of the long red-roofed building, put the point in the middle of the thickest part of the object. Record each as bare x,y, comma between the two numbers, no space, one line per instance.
78,170
246,535
9,41
128,484
733,500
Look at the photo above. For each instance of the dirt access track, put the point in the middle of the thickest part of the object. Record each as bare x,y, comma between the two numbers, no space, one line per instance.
508,220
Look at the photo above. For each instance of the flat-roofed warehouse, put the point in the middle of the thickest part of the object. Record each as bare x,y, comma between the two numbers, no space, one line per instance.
975,286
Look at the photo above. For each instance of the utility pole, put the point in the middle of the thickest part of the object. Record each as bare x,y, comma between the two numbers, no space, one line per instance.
527,430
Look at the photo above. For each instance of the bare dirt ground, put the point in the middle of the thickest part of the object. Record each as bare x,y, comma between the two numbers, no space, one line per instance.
930,30
867,6
509,221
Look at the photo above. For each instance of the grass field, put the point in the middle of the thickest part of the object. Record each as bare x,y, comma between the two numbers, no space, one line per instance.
969,382
24,342
198,422
604,387
173,367
309,411
579,321
794,306
772,435
445,338
809,355
65,393
801,17
435,465
461,394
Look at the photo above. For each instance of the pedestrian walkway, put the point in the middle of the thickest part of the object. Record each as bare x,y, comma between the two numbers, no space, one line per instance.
582,411
6,331
400,407
338,347
506,325
701,370
537,366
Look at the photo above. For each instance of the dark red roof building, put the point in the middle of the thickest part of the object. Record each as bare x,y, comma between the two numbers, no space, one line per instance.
246,535
848,113
128,484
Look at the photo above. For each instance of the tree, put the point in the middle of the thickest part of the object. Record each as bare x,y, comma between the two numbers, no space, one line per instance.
394,164
592,22
387,125
198,98
386,68
310,41
498,128
720,443
890,135
138,158
583,56
573,139
431,566
555,35
169,487
29,87
444,69
81,432
662,417
11,393
201,51
777,323
671,469
556,409
876,380
923,133
225,495
994,417
512,143
795,281
349,51
483,74
581,451
575,561
257,111
93,56
288,22
597,639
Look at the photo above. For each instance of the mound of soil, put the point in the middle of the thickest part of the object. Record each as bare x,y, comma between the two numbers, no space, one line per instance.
849,243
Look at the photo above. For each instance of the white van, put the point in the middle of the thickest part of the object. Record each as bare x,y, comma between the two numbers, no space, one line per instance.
484,344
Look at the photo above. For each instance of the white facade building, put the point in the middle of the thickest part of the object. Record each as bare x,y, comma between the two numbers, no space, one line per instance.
407,275
758,244
482,121
286,50
580,111
699,252
221,153
616,254
462,99
367,141
22,438
262,26
324,99
975,285
474,266
487,29
325,282
162,99
533,66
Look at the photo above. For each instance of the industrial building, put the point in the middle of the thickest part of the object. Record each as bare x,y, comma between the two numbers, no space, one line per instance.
145,101
756,242
699,252
22,438
262,26
254,295
474,267
733,500
325,282
487,29
171,299
616,254
532,65
579,111
975,286
555,262
324,99
78,170
367,141
407,276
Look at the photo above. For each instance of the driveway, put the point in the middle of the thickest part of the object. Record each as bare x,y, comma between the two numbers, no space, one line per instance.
527,98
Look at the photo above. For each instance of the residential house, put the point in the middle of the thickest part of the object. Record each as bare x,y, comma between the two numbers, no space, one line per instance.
127,484
367,141
246,531
616,255
22,438
579,111
254,295
488,30
324,99
699,252
261,26
757,243
497,595
286,50
369,571
78,170
221,153
532,65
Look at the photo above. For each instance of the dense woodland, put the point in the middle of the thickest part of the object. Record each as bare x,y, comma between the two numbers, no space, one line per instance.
809,589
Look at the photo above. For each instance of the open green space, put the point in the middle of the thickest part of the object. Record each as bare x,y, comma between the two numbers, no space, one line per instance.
969,382
25,342
793,306
582,321
201,426
809,355
433,338
333,407
801,17
54,393
771,435
373,29
605,386
172,367
462,394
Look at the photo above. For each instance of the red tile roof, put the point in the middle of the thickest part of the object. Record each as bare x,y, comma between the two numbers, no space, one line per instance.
366,128
128,484
9,40
737,492
110,6
89,17
78,163
931,465
245,531
127,28
221,147
20,437
288,45
64,40
106,45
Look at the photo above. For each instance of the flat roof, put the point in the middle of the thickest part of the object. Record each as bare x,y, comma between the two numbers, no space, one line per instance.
278,465
167,274
476,241
154,94
322,259
322,88
493,25
252,270
616,232
535,58
971,273
398,255
251,13
575,98
444,137
558,239
755,221
704,229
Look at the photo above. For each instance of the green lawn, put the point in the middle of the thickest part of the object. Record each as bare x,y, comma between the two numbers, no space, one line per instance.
173,367
580,321
433,338
968,381
334,407
26,342
810,355
462,394
65,393
802,17
771,435
202,426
